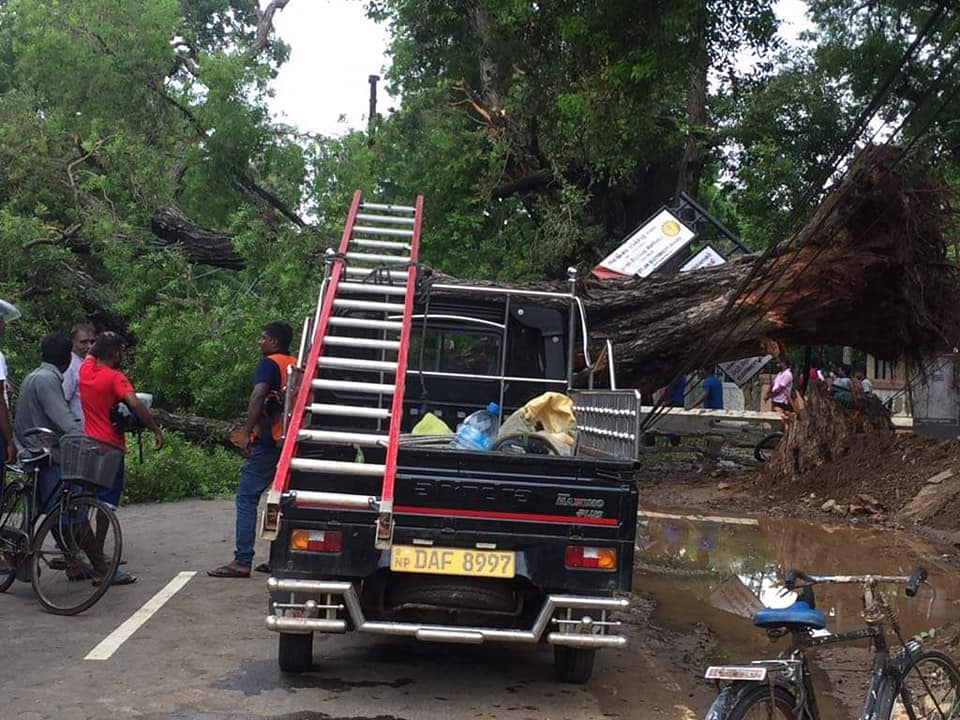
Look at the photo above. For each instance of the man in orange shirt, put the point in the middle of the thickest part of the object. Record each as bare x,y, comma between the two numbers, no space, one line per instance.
260,441
102,385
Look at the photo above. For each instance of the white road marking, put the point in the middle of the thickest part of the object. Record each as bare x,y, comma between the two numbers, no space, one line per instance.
112,642
700,518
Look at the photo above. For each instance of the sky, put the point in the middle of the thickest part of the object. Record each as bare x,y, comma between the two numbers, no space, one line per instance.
334,47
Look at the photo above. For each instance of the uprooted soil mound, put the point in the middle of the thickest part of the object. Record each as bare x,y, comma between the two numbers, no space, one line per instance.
825,429
877,477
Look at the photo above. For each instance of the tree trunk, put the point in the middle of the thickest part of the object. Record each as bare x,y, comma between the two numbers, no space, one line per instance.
824,430
201,430
172,227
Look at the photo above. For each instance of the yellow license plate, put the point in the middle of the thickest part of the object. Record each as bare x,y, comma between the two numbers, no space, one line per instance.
453,561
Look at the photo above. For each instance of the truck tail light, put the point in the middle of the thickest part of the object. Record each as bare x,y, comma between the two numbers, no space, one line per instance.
328,541
597,558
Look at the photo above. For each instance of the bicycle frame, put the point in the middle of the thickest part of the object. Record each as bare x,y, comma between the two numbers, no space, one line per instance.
791,671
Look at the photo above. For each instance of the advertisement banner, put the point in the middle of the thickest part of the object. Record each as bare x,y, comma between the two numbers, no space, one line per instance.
743,371
707,257
647,248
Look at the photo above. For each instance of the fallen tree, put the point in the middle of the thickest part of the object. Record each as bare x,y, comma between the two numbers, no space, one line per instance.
869,270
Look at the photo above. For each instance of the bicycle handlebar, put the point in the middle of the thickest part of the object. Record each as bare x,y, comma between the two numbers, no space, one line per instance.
791,576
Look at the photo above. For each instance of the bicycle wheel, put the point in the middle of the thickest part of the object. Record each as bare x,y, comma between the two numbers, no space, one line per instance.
765,447
75,555
929,690
13,533
756,703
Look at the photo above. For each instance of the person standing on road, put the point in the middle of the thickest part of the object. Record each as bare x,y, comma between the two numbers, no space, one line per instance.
41,404
102,385
82,339
262,428
8,450
781,389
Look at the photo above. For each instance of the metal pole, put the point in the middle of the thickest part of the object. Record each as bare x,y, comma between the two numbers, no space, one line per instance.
571,340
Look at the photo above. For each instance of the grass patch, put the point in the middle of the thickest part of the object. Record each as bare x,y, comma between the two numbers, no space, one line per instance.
178,470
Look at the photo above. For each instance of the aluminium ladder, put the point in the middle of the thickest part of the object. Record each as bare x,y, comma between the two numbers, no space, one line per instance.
357,362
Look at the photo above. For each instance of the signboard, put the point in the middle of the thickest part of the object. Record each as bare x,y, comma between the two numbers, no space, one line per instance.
743,371
707,257
647,248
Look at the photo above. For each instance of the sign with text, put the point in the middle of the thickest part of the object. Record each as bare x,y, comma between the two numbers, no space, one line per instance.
707,257
647,248
743,371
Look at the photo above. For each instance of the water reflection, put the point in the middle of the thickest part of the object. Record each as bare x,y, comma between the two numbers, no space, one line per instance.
682,562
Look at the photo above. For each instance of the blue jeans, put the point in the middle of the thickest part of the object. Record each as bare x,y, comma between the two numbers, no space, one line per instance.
256,474
49,484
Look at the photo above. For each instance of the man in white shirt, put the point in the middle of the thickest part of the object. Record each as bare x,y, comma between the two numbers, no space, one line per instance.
8,451
82,336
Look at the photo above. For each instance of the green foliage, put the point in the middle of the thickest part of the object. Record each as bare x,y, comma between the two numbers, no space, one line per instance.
540,134
179,470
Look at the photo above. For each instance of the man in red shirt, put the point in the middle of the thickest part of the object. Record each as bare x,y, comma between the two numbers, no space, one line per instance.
102,386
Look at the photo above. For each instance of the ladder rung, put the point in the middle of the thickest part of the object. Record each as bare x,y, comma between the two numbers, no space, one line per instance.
353,288
368,305
399,276
337,467
347,363
364,323
392,232
352,386
391,219
342,438
348,411
388,207
370,257
312,497
354,342
380,244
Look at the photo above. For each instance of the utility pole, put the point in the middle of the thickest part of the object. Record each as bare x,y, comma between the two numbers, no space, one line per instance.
372,114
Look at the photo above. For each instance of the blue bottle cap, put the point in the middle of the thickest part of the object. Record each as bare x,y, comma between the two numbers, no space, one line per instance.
493,408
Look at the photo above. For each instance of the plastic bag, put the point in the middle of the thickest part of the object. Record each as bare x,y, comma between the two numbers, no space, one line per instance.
430,424
550,416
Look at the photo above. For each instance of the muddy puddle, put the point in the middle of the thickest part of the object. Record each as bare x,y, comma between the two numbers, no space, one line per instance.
687,564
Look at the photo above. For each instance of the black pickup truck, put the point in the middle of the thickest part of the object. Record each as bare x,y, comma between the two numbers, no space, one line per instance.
488,546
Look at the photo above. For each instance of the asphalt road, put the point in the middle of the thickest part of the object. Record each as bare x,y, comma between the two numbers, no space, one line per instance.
205,654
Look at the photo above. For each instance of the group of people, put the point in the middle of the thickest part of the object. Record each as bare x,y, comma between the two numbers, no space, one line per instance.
840,385
74,389
77,387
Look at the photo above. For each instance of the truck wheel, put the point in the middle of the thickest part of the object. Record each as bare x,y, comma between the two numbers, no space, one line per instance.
296,652
573,665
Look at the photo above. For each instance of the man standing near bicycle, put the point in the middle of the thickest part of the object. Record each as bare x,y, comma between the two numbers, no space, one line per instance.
102,385
41,404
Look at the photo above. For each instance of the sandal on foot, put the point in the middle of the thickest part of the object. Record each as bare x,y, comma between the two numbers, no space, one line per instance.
228,571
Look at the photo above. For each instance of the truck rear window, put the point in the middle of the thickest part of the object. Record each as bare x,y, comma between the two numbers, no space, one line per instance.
455,351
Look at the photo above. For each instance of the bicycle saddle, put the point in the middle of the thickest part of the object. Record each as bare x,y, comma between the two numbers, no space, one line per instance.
800,614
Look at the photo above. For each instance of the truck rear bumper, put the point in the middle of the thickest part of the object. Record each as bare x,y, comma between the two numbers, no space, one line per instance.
334,607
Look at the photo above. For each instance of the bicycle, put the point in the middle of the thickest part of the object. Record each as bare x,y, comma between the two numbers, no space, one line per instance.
910,683
70,556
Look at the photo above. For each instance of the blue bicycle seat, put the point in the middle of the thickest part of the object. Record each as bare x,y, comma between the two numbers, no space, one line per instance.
800,613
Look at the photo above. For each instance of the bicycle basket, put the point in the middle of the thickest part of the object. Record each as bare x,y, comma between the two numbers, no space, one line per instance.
86,459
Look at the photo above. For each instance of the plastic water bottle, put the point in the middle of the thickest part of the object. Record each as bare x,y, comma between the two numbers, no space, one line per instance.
478,430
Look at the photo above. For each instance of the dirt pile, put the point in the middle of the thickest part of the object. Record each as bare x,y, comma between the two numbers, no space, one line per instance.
871,480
